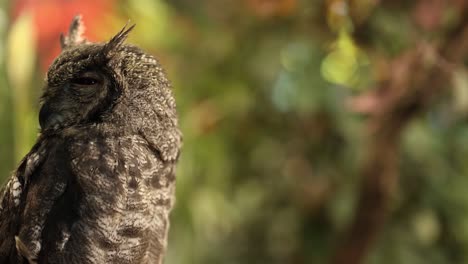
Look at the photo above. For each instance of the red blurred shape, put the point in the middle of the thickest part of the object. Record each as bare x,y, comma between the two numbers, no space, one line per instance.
52,17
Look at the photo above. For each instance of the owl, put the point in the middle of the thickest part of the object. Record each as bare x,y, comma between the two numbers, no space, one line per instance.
98,185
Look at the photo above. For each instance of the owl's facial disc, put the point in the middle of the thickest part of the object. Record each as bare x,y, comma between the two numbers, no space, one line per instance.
80,99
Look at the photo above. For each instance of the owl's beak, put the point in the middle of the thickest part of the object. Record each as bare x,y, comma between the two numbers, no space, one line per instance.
49,119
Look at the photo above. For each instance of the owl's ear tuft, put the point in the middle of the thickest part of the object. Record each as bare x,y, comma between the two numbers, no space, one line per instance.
75,33
116,41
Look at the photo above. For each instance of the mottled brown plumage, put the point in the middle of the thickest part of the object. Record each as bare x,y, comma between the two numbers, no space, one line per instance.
98,185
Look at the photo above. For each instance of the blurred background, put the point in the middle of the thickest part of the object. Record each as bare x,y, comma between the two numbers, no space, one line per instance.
314,131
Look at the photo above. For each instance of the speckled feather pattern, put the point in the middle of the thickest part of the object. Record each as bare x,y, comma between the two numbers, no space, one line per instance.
98,186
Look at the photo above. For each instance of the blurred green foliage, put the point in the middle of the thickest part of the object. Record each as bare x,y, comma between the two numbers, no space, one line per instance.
269,171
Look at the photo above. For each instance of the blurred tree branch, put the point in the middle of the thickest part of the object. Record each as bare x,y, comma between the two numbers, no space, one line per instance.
416,78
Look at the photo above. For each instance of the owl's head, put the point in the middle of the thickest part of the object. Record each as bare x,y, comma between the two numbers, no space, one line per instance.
87,82
111,85
80,84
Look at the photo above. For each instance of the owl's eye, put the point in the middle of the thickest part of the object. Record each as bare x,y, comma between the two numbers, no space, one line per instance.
89,78
85,81
85,84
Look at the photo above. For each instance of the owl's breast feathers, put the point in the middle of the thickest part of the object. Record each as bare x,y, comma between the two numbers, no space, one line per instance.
89,200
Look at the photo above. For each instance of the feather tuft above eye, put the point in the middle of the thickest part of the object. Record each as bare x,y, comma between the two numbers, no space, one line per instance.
118,40
75,33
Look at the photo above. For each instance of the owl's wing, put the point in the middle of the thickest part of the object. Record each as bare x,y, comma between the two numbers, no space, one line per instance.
26,201
9,214
11,193
165,143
